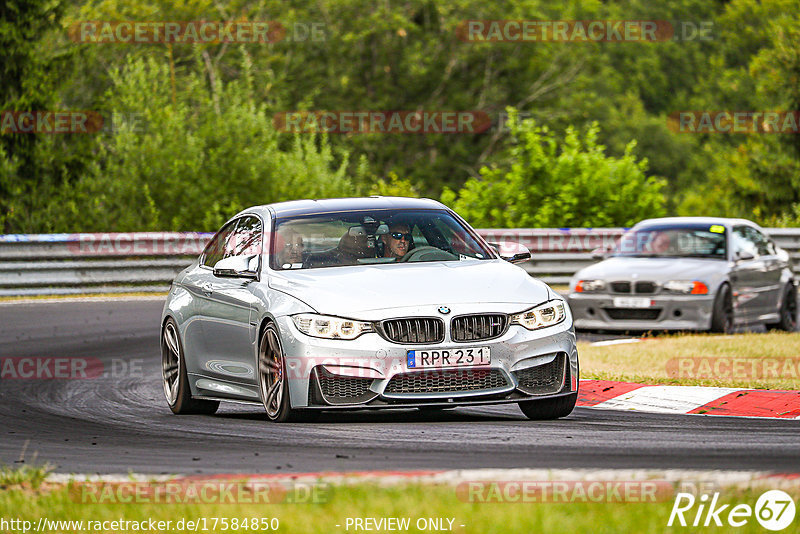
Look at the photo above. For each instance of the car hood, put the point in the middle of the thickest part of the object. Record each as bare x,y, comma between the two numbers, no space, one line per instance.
347,290
655,269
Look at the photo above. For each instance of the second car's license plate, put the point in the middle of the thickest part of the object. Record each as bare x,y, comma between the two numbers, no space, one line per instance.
466,356
632,302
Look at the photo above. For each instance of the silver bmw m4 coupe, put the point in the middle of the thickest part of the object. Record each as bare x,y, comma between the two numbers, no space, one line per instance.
363,303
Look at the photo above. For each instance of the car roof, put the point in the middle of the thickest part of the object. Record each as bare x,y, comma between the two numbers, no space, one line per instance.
727,222
332,205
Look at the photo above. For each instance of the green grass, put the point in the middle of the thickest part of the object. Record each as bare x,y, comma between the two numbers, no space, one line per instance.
369,500
25,476
689,359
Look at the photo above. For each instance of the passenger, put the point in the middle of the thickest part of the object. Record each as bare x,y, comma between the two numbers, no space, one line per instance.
290,247
397,242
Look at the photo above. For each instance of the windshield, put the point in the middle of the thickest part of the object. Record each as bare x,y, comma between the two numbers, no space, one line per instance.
372,237
684,241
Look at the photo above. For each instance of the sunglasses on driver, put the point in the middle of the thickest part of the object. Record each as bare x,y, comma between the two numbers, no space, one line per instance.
400,235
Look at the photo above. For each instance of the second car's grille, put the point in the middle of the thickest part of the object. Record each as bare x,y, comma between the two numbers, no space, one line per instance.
635,314
543,379
645,287
621,287
477,327
414,330
443,381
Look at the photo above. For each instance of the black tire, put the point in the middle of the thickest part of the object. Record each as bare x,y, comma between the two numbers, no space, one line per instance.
539,410
272,371
788,311
174,377
722,315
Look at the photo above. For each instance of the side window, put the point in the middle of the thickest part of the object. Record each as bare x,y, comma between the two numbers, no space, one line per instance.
742,241
419,238
763,246
455,238
247,238
216,248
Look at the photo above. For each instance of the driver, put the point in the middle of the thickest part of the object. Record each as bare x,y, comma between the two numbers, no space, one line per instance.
397,242
661,243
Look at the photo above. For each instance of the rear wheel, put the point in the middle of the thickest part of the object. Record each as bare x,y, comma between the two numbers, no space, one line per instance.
722,315
788,311
555,408
175,379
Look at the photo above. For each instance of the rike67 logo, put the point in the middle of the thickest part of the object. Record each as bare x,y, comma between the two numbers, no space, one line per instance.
774,510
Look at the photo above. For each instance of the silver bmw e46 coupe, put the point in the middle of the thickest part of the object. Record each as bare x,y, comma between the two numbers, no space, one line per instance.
363,303
688,273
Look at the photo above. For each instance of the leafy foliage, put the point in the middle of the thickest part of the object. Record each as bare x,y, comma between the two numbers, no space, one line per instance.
550,183
193,141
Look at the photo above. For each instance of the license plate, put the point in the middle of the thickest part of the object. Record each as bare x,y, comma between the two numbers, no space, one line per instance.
633,302
460,357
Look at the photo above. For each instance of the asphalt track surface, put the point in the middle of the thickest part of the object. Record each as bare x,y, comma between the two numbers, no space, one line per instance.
121,423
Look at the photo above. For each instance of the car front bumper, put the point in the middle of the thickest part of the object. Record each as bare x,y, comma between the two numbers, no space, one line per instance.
372,372
666,312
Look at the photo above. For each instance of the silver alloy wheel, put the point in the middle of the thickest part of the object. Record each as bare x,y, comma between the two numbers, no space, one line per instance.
170,363
270,366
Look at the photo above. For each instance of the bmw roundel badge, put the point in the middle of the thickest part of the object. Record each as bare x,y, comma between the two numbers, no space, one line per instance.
444,310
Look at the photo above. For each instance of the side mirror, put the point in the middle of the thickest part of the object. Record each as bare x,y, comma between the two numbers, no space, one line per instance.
237,267
512,252
744,255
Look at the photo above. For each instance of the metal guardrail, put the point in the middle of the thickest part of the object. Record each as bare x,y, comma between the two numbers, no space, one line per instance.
51,264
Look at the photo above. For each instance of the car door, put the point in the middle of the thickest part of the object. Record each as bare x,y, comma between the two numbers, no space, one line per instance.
198,282
773,269
749,279
229,338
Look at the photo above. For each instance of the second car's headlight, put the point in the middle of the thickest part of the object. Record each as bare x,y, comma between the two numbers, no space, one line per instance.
693,287
328,327
589,286
547,314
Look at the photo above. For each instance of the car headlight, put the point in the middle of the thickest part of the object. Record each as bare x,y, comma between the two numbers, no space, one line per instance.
328,327
544,315
589,286
686,287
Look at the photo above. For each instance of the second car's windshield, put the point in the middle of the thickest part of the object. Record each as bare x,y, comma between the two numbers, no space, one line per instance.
372,237
703,241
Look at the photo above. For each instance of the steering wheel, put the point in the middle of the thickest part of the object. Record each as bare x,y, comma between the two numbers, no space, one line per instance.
427,253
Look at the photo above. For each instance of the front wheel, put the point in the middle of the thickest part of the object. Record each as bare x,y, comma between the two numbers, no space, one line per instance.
788,311
539,410
722,315
274,381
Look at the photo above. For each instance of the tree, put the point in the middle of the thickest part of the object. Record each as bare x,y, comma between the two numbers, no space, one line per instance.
548,182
